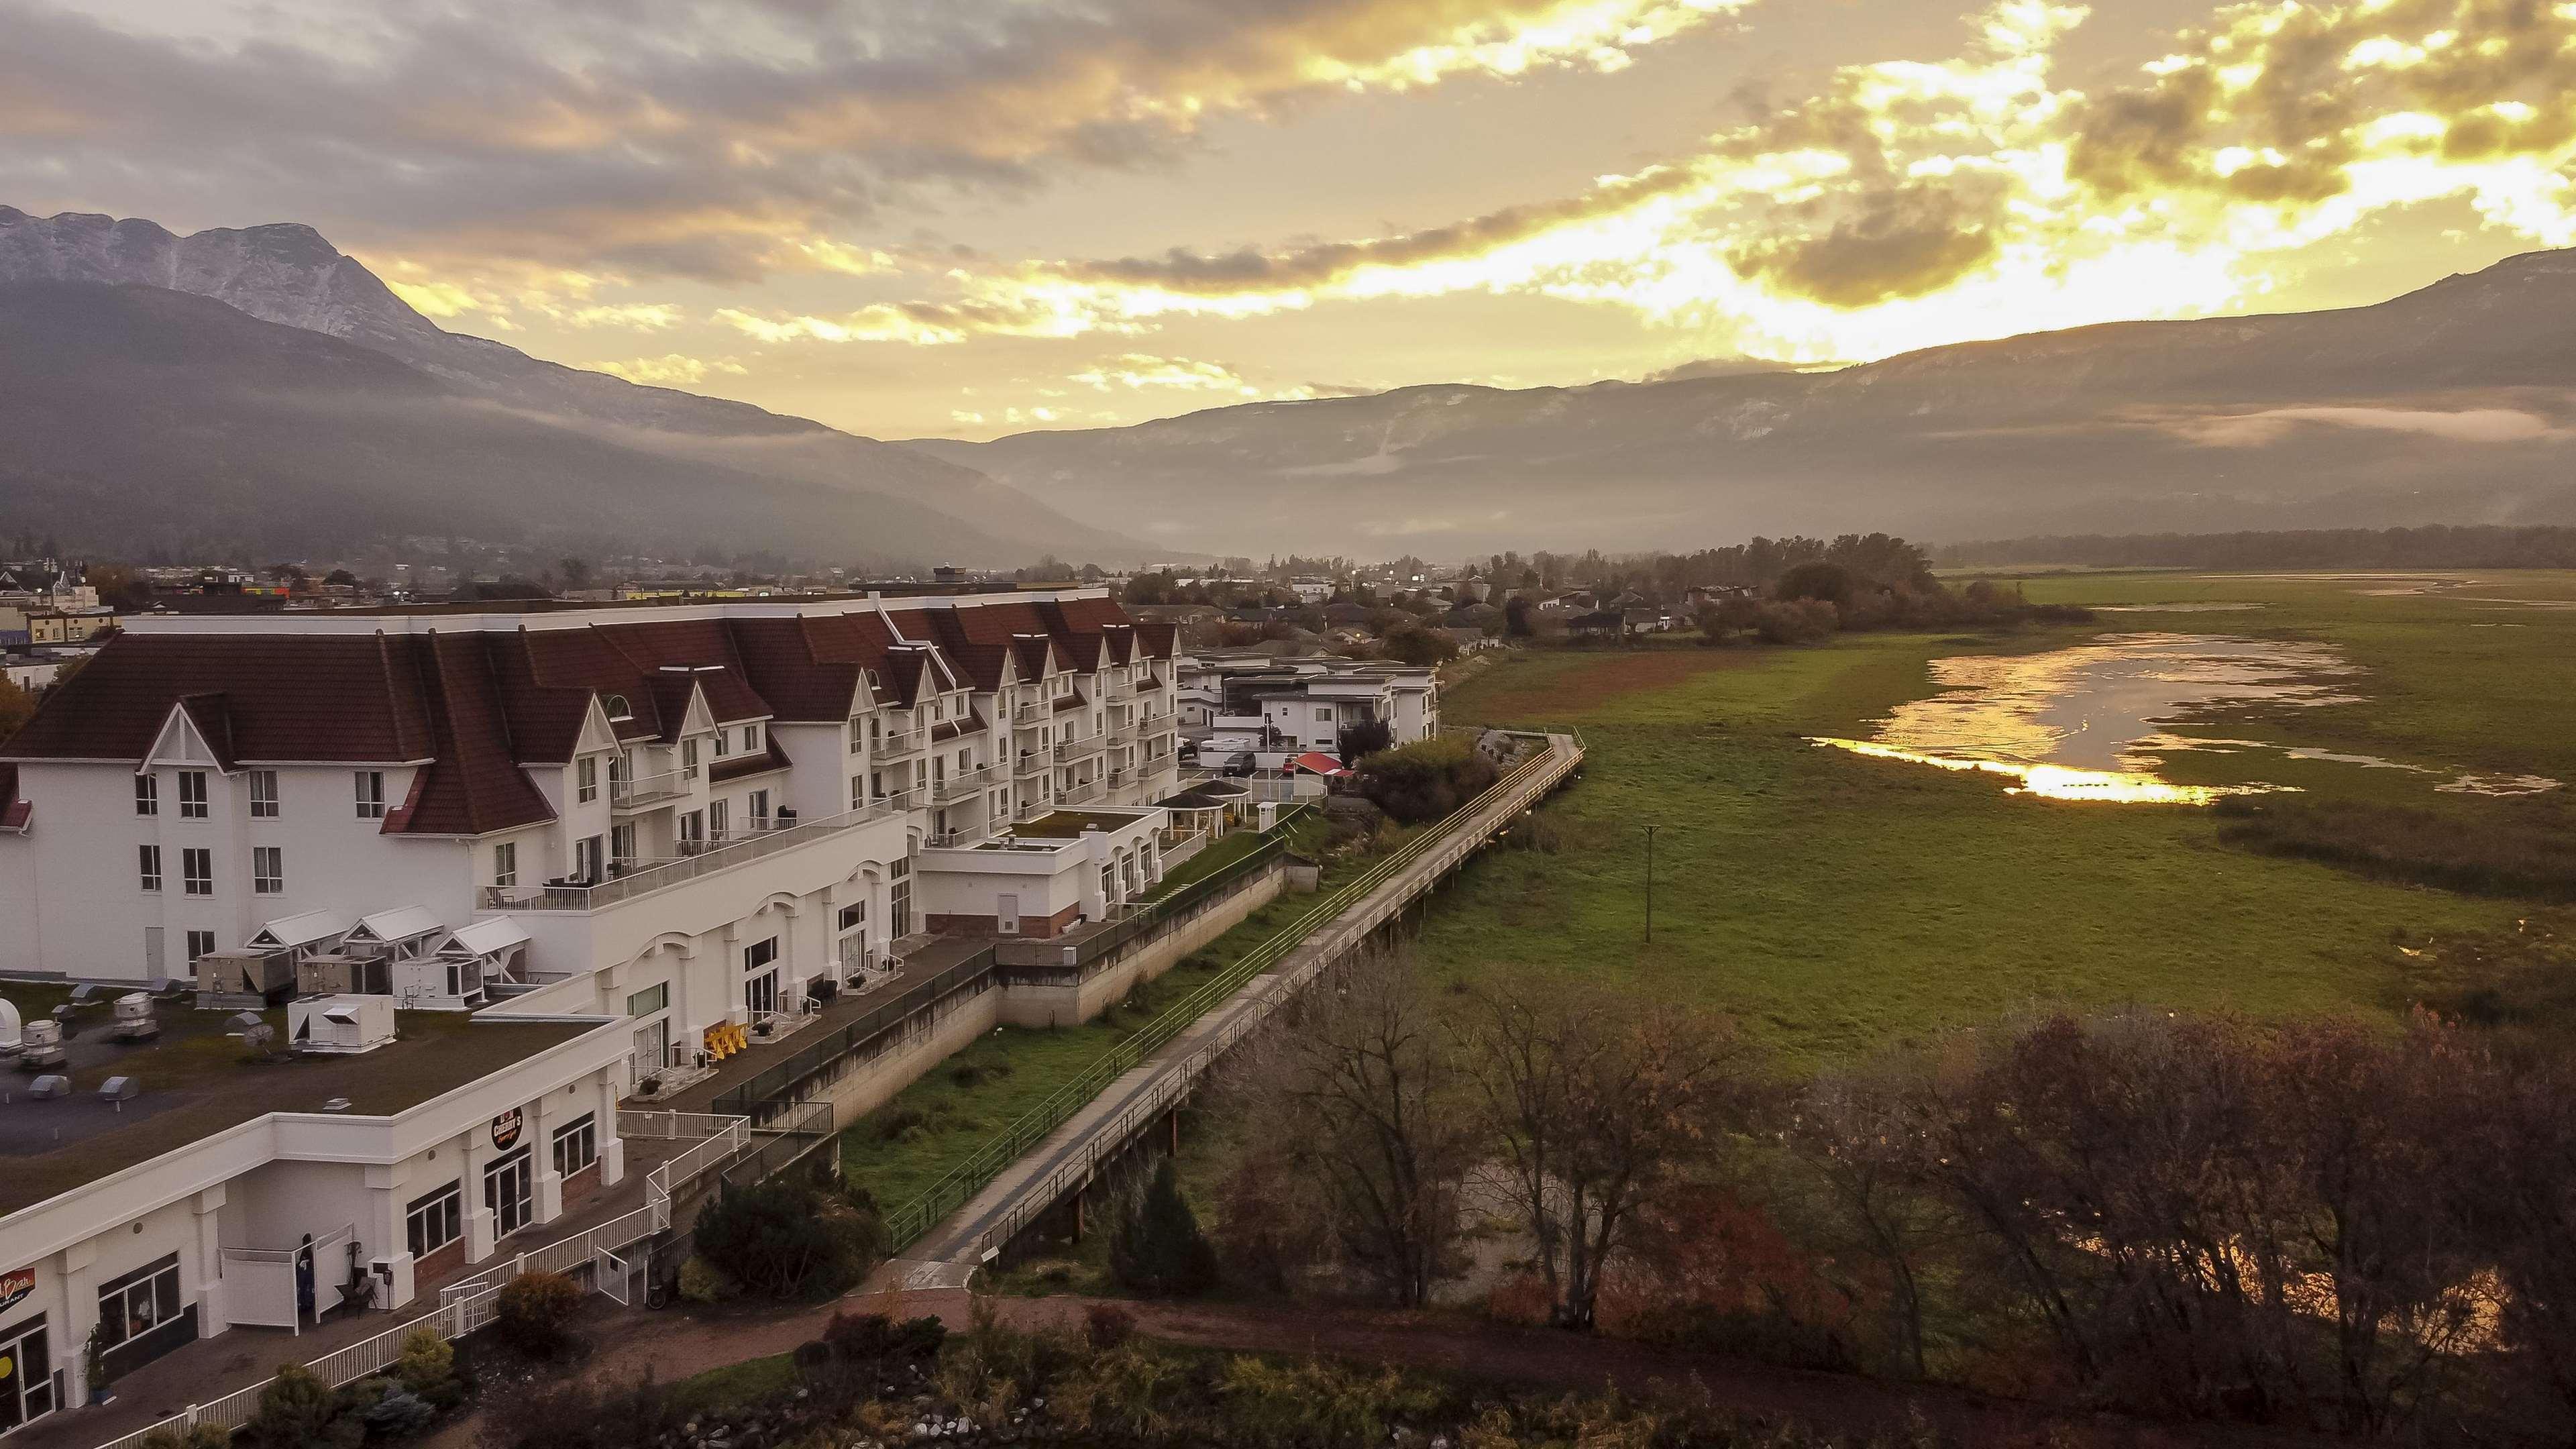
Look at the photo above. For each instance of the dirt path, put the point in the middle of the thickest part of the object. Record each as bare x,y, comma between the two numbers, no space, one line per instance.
674,1345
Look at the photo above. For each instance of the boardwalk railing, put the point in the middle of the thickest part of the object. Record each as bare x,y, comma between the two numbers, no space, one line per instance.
469,1304
1447,841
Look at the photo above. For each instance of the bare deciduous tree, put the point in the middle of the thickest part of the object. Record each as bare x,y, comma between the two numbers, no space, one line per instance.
1594,1106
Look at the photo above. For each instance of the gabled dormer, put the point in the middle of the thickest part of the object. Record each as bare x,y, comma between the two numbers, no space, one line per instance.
196,734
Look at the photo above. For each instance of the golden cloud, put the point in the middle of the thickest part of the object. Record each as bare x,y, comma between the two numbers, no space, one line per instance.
1913,203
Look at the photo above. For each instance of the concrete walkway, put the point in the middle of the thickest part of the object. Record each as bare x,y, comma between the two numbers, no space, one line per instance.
1067,1157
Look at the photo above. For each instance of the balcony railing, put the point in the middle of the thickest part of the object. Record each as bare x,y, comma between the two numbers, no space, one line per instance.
958,787
1071,750
1112,689
1028,712
646,875
1082,794
897,743
1030,762
625,794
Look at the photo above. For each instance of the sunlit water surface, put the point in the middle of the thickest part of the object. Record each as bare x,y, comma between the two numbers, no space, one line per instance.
2096,721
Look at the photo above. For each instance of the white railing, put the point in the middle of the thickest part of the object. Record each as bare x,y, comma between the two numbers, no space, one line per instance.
1083,793
627,794
958,787
699,858
1031,762
1072,750
897,742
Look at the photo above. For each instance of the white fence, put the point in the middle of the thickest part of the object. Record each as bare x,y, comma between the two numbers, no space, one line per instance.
469,1304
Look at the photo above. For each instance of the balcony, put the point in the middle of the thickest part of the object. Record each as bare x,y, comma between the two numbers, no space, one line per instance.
1028,712
1082,794
643,877
959,787
898,743
1072,750
648,790
1030,765
1112,689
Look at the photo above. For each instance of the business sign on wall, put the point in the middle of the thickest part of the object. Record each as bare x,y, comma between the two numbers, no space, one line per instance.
15,1285
505,1128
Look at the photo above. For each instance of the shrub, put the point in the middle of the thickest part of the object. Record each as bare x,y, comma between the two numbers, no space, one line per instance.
1425,780
790,1239
1157,1246
299,1411
813,1354
704,1282
428,1368
864,1337
1797,621
534,1313
1106,1325
399,1415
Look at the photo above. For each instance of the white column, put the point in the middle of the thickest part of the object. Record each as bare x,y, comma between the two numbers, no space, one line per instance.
207,1209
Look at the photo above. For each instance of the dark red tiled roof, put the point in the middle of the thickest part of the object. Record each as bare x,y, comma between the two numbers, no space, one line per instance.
305,697
481,705
737,766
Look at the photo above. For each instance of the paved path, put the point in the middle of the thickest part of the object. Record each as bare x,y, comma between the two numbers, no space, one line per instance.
1067,1157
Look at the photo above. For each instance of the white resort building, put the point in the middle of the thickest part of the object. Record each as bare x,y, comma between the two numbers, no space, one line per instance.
502,863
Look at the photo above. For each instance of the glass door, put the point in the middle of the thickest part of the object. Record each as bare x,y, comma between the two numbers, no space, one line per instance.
26,1377
508,1190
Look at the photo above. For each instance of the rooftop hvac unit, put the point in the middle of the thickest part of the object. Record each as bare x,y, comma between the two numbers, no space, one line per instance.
40,1045
134,1019
344,1025
342,975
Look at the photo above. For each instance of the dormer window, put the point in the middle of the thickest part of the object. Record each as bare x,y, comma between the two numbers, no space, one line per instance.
616,707
751,738
724,743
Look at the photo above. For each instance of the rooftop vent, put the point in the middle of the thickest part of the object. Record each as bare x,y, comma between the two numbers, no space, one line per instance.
49,1086
120,1089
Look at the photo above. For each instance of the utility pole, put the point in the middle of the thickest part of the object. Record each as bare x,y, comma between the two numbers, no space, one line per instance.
1650,885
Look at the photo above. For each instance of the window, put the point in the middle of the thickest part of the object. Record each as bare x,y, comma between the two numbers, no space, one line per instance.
505,863
267,870
151,863
200,943
585,860
371,794
858,738
436,1219
576,1146
192,794
263,794
724,743
688,754
507,1192
759,954
750,738
856,915
858,792
649,1000
197,871
147,795
719,816
621,844
1324,714
758,804
616,707
134,1305
586,773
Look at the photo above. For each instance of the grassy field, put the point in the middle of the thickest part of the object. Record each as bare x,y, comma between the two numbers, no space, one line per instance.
1834,903
928,1128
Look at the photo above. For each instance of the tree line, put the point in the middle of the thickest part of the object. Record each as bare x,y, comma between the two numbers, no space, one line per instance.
2437,546
2323,1224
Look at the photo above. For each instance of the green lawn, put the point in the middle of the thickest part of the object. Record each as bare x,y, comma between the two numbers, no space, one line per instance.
1834,903
931,1126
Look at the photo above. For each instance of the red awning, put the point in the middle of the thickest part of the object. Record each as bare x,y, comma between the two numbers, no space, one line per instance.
1321,764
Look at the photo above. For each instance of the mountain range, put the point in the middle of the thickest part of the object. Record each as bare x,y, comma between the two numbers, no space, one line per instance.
257,388
2452,404
260,389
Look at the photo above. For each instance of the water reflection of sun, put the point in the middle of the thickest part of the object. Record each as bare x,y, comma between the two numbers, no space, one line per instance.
2059,782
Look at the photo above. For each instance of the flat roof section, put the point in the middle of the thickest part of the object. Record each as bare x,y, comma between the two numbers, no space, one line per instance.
198,1080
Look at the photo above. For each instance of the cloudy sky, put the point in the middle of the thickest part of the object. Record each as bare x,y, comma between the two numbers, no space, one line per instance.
970,217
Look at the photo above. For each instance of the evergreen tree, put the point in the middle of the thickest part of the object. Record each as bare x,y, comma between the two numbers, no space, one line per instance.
1157,1246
